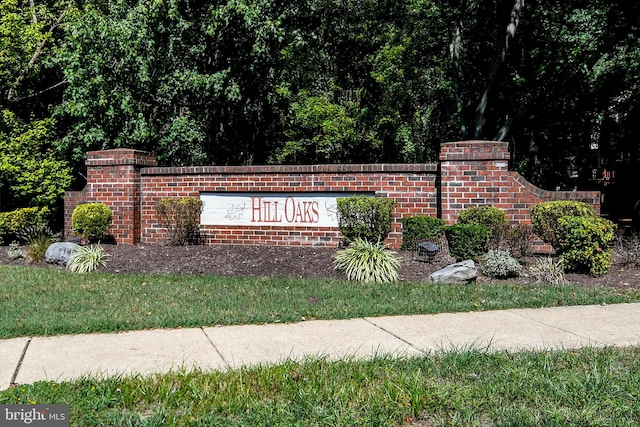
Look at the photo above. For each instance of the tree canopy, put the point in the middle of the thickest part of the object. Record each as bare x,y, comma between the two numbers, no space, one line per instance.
325,81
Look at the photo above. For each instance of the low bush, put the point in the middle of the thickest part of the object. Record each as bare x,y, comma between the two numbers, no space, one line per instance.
489,216
546,270
14,251
500,264
91,220
583,243
467,241
365,217
181,218
88,259
24,223
545,216
417,228
365,261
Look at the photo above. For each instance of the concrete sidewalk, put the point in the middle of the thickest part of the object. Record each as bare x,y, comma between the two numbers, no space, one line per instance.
61,358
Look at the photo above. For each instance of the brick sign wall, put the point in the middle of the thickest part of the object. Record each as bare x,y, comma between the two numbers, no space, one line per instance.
295,205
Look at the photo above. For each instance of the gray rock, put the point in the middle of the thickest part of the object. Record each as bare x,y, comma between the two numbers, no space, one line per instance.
457,273
60,252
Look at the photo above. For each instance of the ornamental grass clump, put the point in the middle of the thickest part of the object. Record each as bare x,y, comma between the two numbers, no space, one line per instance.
88,259
546,270
365,261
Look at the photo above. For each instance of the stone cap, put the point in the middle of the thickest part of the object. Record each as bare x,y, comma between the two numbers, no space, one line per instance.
474,150
119,157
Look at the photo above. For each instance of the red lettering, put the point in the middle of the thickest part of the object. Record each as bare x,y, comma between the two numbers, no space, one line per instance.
254,209
299,212
316,214
276,217
290,209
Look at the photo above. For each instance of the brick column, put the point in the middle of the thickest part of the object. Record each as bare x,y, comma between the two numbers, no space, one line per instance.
113,178
475,173
472,174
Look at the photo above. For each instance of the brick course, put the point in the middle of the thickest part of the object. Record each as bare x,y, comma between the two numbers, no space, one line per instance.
470,173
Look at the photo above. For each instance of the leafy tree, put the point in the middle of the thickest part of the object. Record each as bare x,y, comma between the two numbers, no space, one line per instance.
139,76
30,173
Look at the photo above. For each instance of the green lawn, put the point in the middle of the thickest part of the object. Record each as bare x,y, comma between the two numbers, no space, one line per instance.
36,301
591,387
468,388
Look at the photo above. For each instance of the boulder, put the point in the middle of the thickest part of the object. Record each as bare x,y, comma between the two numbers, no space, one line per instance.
60,252
457,273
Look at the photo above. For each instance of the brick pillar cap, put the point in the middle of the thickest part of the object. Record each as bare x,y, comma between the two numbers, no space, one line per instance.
474,150
120,156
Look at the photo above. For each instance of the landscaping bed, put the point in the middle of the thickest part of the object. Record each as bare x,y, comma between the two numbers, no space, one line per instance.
293,262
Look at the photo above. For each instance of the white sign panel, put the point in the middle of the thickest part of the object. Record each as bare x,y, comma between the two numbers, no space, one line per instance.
279,209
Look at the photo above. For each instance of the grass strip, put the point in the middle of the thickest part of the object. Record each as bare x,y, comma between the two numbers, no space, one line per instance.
594,387
36,302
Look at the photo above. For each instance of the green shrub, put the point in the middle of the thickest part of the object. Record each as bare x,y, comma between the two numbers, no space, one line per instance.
181,218
467,241
91,220
546,270
365,217
500,264
583,243
545,216
417,228
365,261
488,216
88,258
24,223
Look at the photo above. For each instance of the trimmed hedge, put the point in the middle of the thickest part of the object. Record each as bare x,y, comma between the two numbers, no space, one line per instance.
91,220
491,217
365,217
467,241
417,228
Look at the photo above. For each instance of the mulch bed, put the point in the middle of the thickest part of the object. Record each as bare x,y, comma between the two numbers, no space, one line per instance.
290,262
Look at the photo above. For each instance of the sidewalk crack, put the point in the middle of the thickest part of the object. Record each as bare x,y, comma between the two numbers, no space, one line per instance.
396,336
13,383
226,363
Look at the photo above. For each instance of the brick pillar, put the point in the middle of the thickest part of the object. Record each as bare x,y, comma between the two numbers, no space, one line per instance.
113,178
472,174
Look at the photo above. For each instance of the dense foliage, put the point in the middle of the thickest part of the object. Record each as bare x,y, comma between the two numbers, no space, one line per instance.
491,217
91,220
364,217
583,243
318,81
420,228
545,217
467,241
